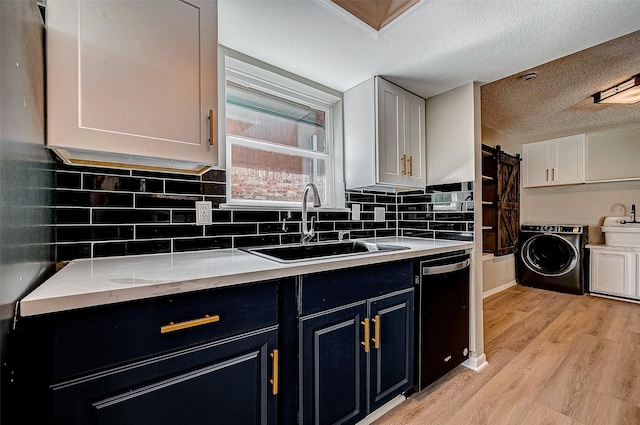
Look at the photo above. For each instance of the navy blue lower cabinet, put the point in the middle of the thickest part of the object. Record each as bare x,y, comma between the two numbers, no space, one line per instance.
391,354
225,382
207,357
357,356
333,366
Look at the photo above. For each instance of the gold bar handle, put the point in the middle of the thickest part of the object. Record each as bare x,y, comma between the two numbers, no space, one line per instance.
172,327
404,164
212,126
376,332
411,165
367,335
274,381
547,179
553,174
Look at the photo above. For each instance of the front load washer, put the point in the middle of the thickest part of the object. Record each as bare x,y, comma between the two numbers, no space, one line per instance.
553,257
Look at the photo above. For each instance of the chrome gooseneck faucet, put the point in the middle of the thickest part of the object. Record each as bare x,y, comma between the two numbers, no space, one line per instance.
307,232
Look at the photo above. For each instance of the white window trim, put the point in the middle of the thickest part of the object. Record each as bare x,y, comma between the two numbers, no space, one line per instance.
284,84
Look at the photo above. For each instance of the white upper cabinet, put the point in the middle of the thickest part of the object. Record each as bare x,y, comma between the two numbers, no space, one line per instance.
613,156
133,82
554,162
384,137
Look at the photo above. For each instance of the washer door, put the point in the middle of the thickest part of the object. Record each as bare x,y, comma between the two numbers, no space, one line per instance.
549,255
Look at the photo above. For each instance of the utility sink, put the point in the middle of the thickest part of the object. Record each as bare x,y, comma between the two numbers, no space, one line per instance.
293,253
621,231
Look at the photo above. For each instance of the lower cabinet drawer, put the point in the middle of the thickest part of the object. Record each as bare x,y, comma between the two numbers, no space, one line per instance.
94,338
224,382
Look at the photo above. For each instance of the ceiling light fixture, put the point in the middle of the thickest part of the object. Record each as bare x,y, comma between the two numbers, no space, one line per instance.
528,76
627,93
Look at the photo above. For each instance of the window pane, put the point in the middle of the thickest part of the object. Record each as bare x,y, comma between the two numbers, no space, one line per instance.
259,115
268,176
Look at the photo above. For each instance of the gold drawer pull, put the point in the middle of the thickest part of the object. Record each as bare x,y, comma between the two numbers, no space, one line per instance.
376,332
404,164
212,127
171,327
274,381
367,335
411,166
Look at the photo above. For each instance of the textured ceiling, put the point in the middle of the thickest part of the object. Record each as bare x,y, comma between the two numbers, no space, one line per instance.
439,45
558,102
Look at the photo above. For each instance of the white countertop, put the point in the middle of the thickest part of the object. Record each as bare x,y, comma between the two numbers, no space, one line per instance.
93,282
613,247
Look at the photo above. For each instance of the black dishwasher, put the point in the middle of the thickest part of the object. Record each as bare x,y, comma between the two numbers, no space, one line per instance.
442,315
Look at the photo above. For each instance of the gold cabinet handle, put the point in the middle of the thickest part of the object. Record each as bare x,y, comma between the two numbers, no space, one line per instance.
367,335
553,174
212,126
404,164
274,381
411,165
547,178
376,332
172,327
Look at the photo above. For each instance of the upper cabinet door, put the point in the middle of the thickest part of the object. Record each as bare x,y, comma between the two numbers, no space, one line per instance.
384,127
568,155
401,137
391,133
554,162
535,171
134,78
414,140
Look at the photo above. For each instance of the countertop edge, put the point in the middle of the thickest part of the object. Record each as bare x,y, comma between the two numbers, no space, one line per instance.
37,303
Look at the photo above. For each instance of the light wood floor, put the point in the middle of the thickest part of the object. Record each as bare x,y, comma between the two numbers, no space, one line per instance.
553,359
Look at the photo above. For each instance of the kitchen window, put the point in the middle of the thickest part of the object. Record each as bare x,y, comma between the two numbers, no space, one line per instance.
280,135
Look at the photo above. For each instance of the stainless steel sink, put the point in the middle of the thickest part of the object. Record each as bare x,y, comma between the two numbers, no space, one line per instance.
293,253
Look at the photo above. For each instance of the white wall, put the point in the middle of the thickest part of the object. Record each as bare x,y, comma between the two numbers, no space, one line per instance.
450,131
585,204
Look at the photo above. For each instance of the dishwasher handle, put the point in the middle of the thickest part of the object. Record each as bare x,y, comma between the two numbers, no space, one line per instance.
446,268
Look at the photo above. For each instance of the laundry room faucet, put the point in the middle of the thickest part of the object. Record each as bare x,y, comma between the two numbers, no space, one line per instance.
633,216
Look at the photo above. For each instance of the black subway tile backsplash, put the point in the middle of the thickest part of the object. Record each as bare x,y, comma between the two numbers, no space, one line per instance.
214,176
101,212
184,187
199,244
121,183
173,231
262,240
183,216
124,216
71,216
255,216
92,233
67,180
131,248
166,201
71,251
231,229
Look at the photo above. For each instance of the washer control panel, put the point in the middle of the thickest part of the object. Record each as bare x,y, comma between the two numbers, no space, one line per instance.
551,228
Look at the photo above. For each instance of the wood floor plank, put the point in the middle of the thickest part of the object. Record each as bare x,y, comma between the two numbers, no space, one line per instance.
610,321
622,377
579,373
553,359
520,334
609,410
438,402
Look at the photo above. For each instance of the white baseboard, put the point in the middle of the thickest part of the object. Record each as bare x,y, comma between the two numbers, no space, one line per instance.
498,289
613,297
476,363
378,413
